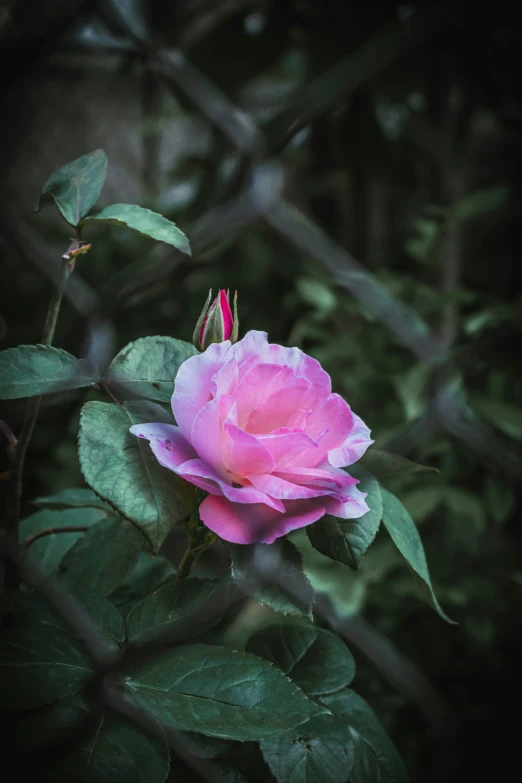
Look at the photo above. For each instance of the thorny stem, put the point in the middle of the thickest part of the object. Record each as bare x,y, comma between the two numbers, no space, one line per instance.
32,410
52,530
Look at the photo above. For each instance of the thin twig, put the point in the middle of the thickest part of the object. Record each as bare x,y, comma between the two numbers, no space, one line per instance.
51,530
32,410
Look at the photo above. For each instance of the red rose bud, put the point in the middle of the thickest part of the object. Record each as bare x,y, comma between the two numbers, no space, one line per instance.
216,322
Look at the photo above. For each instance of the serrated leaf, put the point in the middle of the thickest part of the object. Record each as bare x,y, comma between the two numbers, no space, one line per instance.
40,665
109,749
145,222
149,366
348,540
80,497
123,470
31,608
32,370
385,465
76,186
320,751
273,575
103,557
316,660
50,549
176,611
375,756
220,692
405,536
149,574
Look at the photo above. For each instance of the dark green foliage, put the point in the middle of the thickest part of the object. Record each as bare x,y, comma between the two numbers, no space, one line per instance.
273,575
76,186
144,222
30,370
123,470
149,366
316,660
219,692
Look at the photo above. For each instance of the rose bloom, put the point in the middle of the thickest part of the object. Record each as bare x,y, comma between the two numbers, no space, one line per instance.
260,430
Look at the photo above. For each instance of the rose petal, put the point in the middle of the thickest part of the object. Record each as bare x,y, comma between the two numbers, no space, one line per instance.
329,422
302,364
276,410
278,487
353,447
243,453
192,387
207,431
198,472
328,477
257,384
289,447
256,524
168,444
353,507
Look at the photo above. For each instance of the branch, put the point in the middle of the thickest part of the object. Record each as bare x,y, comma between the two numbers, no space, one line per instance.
51,530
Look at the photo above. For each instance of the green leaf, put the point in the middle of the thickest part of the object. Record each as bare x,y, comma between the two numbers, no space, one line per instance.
273,575
123,470
31,370
376,758
384,465
103,557
144,222
502,415
50,549
320,751
219,692
348,540
405,536
76,186
149,366
149,574
107,619
316,660
31,608
80,497
108,749
481,202
40,665
176,611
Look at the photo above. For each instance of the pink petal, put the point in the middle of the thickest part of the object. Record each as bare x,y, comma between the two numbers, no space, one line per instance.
192,387
353,447
261,381
302,364
202,475
330,422
276,410
256,524
352,507
168,444
251,346
278,487
207,430
330,478
244,454
289,447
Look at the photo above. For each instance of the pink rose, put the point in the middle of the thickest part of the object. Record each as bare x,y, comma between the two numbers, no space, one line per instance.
260,430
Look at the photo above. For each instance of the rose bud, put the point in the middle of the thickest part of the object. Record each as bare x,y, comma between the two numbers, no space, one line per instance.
216,323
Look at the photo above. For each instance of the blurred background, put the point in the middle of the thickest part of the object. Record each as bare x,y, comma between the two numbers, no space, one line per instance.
354,172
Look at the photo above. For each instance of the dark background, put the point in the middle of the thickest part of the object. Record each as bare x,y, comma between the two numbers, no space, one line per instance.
334,162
